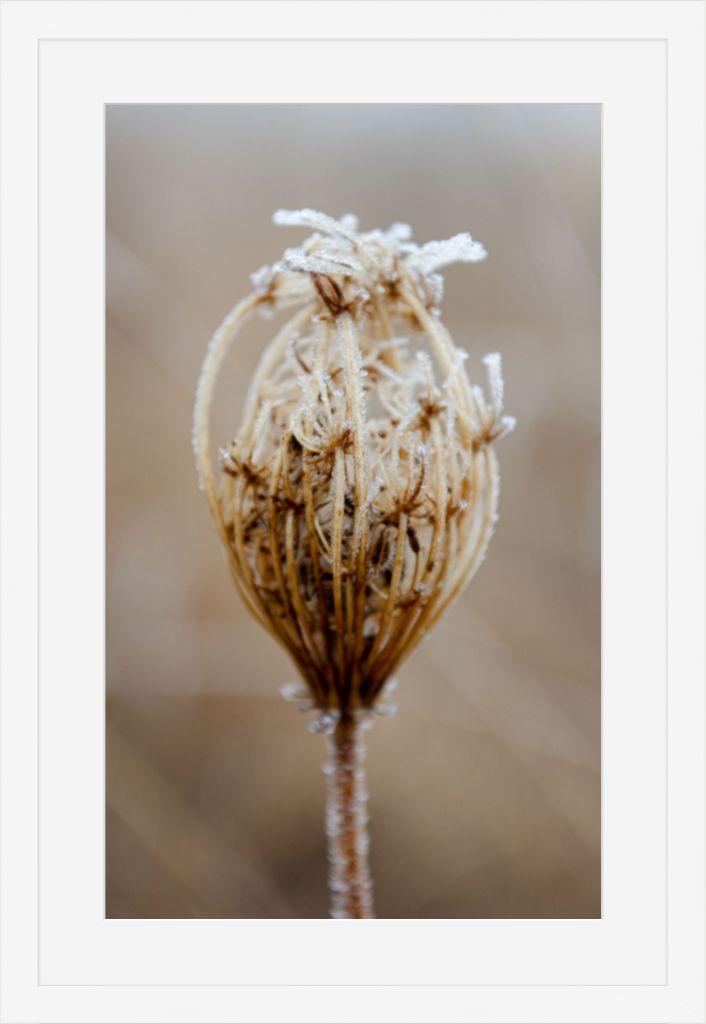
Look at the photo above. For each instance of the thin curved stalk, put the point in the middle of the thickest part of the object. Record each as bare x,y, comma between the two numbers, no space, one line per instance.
216,353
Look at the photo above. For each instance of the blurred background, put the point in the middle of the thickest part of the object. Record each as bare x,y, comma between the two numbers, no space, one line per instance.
485,787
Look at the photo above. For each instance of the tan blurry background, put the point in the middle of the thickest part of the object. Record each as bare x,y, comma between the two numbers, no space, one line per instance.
485,787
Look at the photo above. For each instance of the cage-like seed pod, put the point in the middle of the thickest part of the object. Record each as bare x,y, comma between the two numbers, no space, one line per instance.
359,496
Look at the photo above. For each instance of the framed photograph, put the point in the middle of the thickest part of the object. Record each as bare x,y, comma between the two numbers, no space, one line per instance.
484,789
353,419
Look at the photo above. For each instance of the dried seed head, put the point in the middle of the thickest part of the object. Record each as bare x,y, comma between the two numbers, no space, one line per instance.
359,496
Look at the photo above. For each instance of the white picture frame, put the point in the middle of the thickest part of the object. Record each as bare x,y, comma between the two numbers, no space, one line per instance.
643,961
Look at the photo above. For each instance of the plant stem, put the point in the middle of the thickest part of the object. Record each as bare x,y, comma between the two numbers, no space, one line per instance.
346,821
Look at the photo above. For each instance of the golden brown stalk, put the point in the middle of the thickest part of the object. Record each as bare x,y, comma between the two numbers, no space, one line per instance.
346,822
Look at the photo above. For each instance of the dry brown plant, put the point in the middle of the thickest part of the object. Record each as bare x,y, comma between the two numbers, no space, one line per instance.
359,496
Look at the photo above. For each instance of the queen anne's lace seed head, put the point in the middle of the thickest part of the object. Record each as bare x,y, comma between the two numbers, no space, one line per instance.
359,496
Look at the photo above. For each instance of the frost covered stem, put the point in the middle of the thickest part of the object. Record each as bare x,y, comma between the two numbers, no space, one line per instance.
346,821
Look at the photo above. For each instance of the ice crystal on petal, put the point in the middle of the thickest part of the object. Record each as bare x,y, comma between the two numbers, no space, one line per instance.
317,222
479,399
374,258
349,222
507,424
398,232
262,278
458,249
322,262
435,283
495,379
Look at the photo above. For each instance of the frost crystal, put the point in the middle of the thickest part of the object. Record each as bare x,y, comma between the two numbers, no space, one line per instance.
459,249
371,260
345,227
325,722
495,379
298,694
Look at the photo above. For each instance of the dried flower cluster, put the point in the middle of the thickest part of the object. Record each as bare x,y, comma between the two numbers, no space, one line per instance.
359,496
